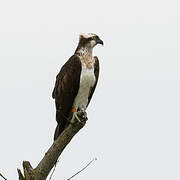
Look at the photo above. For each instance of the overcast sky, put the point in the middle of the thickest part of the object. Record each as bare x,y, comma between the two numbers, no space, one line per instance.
134,116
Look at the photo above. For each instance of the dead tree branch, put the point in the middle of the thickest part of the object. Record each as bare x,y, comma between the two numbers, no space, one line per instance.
46,164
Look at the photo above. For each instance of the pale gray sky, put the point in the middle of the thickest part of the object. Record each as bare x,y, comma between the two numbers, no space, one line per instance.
134,117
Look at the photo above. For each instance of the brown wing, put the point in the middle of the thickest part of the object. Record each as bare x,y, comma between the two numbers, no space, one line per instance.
65,91
96,72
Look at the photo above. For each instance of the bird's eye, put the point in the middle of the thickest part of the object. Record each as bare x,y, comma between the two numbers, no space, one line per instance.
95,38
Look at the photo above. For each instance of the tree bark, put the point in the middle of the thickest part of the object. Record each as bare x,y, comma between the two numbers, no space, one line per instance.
46,164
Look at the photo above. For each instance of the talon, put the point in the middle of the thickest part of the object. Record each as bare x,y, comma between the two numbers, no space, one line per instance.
83,115
75,116
80,116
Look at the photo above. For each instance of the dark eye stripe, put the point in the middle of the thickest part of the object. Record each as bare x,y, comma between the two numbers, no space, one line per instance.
91,38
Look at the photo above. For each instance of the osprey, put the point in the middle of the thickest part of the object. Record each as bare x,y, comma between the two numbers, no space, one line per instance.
76,82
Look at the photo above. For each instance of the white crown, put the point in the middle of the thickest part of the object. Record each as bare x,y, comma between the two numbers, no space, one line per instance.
88,35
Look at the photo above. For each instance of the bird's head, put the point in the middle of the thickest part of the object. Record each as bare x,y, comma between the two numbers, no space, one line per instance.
89,41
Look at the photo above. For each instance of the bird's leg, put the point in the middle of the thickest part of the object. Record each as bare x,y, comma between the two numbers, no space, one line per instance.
74,115
80,115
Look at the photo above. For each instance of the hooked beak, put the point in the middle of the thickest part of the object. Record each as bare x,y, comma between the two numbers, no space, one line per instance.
99,41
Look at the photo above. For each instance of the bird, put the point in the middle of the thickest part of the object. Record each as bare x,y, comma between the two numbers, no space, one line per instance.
76,82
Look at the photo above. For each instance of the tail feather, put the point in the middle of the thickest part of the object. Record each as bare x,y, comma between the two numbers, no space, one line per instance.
62,122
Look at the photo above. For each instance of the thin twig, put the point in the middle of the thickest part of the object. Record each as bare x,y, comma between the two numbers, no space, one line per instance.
82,168
2,176
53,170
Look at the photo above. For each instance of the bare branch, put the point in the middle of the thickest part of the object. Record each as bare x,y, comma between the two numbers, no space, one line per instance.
2,176
82,169
52,155
49,160
21,177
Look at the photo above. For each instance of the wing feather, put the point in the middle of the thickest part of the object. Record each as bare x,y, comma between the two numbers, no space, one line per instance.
66,87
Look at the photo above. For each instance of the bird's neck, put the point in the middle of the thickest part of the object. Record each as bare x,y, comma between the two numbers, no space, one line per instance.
84,52
86,56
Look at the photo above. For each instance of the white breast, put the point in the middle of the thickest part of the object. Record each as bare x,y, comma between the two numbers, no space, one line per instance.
87,81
